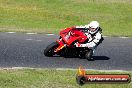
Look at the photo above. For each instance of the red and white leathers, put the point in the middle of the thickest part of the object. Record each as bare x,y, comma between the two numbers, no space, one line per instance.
93,39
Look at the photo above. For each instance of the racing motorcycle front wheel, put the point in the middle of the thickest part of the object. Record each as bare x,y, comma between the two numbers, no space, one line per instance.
49,51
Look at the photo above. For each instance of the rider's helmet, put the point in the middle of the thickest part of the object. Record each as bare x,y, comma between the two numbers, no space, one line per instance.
93,27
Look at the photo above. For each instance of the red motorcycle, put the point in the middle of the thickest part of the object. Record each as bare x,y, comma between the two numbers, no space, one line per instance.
65,45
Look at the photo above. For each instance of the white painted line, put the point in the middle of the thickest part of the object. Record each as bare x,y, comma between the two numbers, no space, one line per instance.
110,70
54,34
124,37
50,34
15,68
93,70
65,69
29,39
31,33
38,40
11,32
105,36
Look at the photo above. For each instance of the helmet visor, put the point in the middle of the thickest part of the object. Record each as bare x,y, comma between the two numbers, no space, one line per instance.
92,29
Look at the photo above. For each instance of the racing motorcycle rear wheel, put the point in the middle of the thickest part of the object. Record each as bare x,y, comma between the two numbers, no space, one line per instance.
49,51
88,55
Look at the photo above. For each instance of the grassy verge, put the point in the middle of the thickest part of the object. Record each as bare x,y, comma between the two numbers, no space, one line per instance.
42,78
44,16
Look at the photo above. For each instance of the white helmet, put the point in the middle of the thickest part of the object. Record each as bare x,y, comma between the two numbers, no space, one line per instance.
93,25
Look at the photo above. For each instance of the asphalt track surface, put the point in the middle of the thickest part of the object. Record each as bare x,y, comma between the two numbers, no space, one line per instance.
26,50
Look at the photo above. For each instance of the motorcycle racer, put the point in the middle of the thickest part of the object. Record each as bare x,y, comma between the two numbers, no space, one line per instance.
76,41
94,34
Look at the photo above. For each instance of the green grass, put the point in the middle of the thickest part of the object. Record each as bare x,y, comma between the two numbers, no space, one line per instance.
44,16
43,78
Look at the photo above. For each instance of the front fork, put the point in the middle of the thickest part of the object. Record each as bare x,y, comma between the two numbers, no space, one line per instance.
61,45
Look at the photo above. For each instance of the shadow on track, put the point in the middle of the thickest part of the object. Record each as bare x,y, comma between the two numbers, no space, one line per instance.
94,57
100,58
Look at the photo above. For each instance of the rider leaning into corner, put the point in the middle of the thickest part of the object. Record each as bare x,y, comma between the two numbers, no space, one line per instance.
94,34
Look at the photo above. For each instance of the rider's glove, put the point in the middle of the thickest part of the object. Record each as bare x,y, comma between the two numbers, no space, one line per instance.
78,44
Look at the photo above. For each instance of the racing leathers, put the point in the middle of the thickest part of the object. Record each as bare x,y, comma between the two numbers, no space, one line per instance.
93,39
